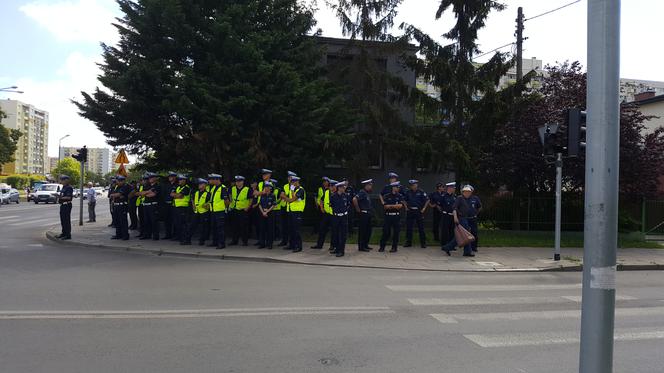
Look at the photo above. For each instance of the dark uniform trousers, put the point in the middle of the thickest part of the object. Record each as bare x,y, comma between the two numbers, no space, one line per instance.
472,225
65,218
452,243
218,228
133,217
323,228
240,225
364,229
391,227
110,207
182,223
169,213
295,223
150,222
200,223
340,232
277,222
437,216
446,228
266,237
415,216
141,221
285,227
121,223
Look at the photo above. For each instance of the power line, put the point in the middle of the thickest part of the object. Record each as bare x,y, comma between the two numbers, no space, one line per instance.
553,10
495,49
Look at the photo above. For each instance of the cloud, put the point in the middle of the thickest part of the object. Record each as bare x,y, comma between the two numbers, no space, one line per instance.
76,21
78,73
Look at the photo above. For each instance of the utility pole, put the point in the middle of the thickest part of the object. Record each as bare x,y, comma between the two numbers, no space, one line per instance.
80,214
519,45
601,187
559,187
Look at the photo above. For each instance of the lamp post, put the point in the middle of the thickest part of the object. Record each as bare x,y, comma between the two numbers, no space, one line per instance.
12,89
59,146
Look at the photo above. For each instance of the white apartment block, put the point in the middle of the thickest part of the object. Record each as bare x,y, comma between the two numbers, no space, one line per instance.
100,160
31,155
630,88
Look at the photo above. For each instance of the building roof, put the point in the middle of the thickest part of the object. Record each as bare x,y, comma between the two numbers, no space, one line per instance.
650,100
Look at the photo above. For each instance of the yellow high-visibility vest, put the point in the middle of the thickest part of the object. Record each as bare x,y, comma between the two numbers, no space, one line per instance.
139,200
184,201
326,203
200,204
218,203
240,200
298,205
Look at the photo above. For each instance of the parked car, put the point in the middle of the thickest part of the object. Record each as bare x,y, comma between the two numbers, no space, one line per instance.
8,195
47,193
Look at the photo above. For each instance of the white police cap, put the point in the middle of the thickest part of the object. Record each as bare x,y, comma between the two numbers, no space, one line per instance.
451,184
467,187
368,181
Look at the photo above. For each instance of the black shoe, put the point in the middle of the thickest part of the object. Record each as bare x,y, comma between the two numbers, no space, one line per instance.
245,244
155,239
382,249
115,238
469,254
423,246
316,247
269,247
125,239
407,245
453,249
60,235
186,243
66,238
369,248
297,250
110,225
222,246
474,250
201,243
212,245
167,237
261,246
338,255
233,243
364,249
143,238
446,251
282,244
257,244
393,250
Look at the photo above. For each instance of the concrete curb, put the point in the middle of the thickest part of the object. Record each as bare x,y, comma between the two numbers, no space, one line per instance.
576,268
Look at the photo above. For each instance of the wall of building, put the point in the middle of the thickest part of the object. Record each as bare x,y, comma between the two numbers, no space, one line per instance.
653,109
31,155
99,159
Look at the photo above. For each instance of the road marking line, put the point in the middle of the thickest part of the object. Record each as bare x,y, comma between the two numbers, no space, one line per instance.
544,315
577,298
487,288
485,301
162,314
551,338
27,222
8,217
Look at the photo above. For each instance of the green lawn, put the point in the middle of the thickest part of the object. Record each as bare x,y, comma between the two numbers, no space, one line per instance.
500,238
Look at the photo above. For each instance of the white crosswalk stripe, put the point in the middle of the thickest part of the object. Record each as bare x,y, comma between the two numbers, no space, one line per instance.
542,315
477,288
554,338
503,300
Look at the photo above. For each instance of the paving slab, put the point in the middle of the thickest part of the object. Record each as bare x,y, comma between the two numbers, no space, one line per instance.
488,259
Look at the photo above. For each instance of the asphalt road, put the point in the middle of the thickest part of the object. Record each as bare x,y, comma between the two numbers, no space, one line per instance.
75,309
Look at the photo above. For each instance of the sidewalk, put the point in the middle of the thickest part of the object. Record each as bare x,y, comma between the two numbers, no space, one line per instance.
502,259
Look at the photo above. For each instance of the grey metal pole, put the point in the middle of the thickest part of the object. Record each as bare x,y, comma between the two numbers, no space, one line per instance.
559,187
80,210
601,188
519,44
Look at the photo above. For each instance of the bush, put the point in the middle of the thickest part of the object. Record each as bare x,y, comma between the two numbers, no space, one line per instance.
18,181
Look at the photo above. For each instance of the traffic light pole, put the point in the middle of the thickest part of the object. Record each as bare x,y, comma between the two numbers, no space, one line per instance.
601,187
559,187
80,215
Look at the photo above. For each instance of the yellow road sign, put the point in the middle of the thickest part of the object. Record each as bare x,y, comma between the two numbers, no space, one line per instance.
122,171
122,157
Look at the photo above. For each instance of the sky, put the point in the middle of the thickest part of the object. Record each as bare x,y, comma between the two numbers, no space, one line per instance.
50,47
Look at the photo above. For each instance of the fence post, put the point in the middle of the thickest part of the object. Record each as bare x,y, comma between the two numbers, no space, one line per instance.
643,215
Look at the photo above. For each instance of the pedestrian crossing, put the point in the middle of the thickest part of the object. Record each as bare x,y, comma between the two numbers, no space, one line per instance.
41,221
525,316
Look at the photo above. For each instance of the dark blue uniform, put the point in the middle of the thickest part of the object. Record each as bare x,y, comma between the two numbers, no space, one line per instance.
392,224
266,231
435,201
65,211
364,224
169,210
387,189
467,209
350,193
151,211
182,217
340,204
218,218
474,206
415,200
120,210
446,206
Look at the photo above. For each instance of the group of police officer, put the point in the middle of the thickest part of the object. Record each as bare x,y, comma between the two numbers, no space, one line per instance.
202,208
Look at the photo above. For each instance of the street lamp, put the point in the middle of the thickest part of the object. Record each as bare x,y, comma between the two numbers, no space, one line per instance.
12,89
59,146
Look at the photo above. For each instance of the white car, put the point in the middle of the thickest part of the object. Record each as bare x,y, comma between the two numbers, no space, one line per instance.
8,195
47,193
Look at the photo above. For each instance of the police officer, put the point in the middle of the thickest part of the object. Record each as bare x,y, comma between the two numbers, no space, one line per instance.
416,201
168,206
326,215
364,210
446,206
392,178
120,197
66,196
277,211
434,202
241,198
284,195
350,193
392,205
133,208
152,194
182,204
466,208
219,200
340,204
259,191
110,201
201,219
267,203
324,224
296,203
138,193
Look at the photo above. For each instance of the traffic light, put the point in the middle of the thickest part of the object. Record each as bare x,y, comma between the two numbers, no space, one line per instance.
575,120
82,155
549,137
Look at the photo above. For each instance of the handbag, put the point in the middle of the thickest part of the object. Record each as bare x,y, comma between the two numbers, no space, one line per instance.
462,236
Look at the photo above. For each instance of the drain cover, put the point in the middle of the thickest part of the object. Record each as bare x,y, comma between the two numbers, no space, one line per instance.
329,361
